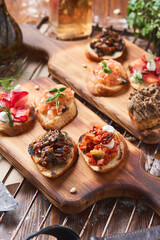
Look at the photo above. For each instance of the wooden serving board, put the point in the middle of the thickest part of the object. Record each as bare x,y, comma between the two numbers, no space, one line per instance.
65,64
129,179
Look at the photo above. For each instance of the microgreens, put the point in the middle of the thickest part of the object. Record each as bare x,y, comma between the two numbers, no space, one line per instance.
105,68
57,93
138,76
7,80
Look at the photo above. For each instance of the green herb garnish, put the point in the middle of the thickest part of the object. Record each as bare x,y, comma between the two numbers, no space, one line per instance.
105,68
138,77
8,114
144,18
58,94
7,80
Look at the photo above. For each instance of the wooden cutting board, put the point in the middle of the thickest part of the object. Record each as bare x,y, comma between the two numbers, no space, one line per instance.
65,64
129,179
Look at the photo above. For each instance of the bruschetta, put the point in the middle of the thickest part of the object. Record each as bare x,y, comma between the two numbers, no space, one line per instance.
102,148
56,107
109,45
16,116
144,107
107,78
53,152
144,71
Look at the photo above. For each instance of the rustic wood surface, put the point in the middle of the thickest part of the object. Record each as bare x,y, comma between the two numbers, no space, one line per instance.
66,59
35,211
129,179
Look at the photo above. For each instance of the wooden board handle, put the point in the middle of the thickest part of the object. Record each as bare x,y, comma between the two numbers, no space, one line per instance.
141,184
33,38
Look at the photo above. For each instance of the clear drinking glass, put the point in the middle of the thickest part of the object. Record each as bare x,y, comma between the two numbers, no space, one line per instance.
71,18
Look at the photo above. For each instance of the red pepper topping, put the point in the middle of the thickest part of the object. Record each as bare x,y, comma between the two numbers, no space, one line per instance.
94,145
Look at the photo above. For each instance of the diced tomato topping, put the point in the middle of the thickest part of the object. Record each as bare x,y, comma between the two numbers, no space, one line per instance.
92,161
100,162
93,144
150,78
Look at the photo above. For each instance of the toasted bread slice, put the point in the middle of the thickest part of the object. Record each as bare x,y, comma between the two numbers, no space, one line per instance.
18,127
134,84
99,89
115,162
91,54
100,83
60,120
144,124
54,171
148,77
143,107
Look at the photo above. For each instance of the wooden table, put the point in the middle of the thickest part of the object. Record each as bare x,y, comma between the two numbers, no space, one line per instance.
107,217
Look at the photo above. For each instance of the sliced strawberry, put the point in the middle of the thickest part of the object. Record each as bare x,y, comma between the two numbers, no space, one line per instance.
6,99
21,115
150,78
140,65
19,99
157,66
144,58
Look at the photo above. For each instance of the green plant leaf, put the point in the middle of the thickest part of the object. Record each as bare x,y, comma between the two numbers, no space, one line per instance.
53,90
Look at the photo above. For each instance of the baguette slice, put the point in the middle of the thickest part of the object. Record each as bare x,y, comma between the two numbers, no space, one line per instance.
143,107
148,76
120,157
54,171
91,54
18,128
144,124
98,88
134,84
60,120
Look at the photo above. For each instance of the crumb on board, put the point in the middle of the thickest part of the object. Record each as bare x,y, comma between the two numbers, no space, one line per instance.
117,11
84,65
73,190
36,87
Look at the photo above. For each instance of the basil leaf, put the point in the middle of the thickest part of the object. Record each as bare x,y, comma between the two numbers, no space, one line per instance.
107,70
104,64
53,90
50,99
62,89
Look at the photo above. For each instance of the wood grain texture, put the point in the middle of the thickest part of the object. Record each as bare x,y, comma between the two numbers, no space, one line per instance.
129,179
65,64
